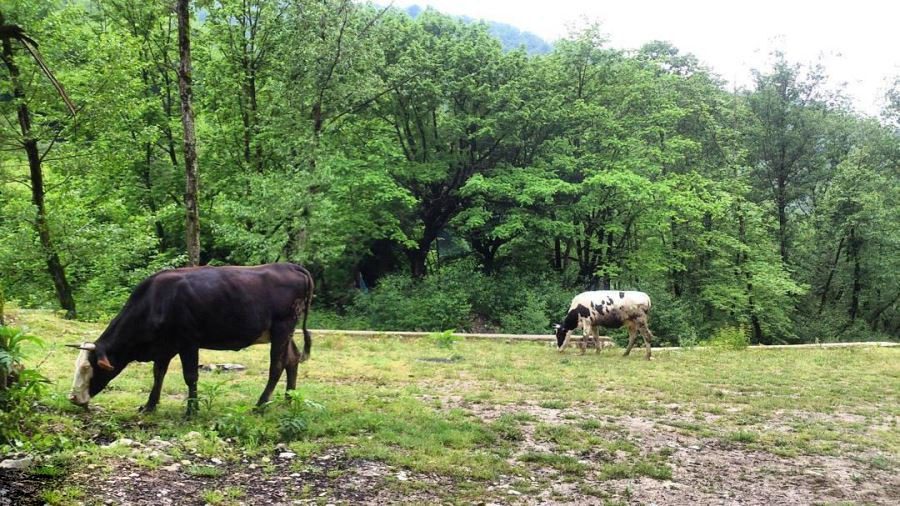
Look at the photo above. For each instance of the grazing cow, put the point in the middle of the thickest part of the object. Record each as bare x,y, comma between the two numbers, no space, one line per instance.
179,311
610,309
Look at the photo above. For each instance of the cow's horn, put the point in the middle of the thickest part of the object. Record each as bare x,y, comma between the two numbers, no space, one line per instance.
83,346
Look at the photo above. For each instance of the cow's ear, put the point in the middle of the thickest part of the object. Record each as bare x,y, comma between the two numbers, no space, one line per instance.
103,362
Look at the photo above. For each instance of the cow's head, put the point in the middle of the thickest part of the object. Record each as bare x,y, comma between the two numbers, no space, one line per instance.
93,371
561,334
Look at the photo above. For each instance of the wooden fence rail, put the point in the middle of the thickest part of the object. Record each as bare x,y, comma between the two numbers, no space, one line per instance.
549,338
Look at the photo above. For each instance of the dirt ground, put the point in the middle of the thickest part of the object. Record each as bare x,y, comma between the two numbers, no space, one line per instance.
704,471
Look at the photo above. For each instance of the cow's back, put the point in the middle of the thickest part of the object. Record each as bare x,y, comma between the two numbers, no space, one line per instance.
225,308
615,299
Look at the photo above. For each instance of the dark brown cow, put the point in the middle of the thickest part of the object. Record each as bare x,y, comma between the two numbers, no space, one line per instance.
180,311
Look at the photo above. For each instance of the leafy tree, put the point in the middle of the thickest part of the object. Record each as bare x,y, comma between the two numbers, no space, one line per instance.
28,140
788,107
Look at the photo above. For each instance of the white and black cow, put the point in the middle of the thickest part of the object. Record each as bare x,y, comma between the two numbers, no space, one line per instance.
180,311
610,309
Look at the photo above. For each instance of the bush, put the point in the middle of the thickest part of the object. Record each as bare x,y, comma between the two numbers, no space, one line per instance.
444,339
402,303
731,338
672,320
461,297
20,387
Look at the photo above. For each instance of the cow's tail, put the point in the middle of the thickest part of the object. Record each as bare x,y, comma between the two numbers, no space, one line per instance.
307,337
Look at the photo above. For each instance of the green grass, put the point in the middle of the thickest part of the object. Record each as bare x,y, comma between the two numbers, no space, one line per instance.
563,463
651,469
465,420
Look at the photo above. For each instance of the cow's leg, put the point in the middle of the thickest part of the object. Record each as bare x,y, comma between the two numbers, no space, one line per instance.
159,372
595,331
290,367
190,369
645,332
278,354
632,333
585,331
565,341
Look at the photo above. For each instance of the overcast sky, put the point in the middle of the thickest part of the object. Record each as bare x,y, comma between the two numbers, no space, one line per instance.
858,41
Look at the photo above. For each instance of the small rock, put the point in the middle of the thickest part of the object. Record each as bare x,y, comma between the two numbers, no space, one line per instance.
252,466
23,463
513,492
123,442
286,455
191,435
172,468
402,476
265,460
217,461
185,462
694,447
159,443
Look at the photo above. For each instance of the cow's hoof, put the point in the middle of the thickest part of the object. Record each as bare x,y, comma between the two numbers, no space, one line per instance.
147,408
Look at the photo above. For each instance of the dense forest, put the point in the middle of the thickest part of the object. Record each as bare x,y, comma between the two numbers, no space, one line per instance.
431,179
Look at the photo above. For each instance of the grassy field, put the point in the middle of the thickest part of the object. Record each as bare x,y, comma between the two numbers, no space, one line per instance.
388,420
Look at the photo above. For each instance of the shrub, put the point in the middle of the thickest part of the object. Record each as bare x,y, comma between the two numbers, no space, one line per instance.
673,320
444,339
20,387
731,338
399,302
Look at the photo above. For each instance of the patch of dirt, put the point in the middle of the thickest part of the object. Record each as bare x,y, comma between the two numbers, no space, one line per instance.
704,471
326,478
18,488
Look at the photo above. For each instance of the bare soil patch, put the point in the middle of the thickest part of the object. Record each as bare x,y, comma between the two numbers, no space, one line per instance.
331,477
704,470
18,488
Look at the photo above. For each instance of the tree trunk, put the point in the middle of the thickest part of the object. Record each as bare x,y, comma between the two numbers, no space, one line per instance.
853,247
758,336
781,204
417,262
831,271
873,318
54,265
192,214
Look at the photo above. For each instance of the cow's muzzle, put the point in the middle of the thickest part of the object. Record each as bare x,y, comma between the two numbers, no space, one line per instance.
79,402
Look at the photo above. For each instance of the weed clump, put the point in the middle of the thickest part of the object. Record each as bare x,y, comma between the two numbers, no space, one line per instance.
20,387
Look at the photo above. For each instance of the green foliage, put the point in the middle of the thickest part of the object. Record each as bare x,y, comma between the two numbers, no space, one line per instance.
730,338
20,387
444,340
471,186
241,424
399,302
293,424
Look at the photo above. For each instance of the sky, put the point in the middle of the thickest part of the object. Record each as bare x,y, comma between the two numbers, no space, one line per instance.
857,41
